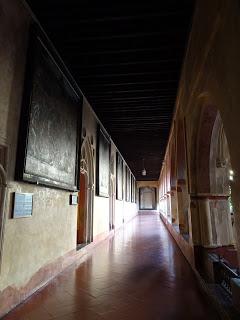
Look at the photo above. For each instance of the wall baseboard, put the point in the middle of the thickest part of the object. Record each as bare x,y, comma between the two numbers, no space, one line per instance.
186,248
12,296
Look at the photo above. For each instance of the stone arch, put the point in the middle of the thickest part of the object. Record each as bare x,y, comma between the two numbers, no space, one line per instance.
206,124
219,169
200,129
87,176
211,200
220,162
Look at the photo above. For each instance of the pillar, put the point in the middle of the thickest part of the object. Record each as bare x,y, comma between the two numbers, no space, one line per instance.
205,222
174,206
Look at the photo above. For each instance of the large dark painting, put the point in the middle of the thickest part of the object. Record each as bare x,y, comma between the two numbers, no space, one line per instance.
119,171
127,185
49,130
103,159
135,193
132,188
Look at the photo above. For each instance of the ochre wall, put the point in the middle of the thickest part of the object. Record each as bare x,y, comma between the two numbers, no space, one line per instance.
210,78
35,249
30,244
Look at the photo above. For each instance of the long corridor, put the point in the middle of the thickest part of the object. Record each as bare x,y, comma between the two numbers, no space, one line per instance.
138,274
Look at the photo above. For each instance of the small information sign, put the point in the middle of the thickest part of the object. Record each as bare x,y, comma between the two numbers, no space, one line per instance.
73,199
23,203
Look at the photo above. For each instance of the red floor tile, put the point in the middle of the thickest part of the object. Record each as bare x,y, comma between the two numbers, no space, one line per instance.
139,274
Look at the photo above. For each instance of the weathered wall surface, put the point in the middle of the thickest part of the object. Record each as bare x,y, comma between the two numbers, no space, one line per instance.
29,244
209,81
36,248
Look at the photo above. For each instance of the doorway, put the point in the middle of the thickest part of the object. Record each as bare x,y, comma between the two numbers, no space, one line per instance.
147,199
81,221
85,197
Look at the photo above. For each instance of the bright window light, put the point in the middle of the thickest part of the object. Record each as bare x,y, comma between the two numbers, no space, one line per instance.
231,175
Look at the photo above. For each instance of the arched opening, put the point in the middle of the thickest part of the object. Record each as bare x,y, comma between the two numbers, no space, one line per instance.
220,184
147,198
214,174
86,196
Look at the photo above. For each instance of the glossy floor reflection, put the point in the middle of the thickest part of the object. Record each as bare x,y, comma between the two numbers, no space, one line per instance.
138,274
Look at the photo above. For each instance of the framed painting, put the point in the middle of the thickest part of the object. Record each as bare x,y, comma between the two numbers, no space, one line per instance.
127,185
132,188
119,177
135,194
103,163
48,146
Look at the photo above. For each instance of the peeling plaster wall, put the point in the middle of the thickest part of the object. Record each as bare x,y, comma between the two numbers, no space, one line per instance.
29,243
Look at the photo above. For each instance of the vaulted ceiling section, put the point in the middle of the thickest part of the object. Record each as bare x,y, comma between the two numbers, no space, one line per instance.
126,58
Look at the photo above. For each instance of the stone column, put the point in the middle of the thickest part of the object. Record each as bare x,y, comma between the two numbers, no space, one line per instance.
174,206
205,222
195,223
169,206
182,201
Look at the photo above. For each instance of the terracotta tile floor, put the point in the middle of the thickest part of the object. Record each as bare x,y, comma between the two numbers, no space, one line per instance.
138,274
